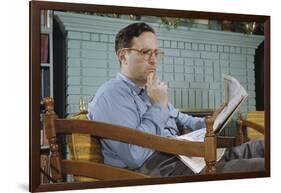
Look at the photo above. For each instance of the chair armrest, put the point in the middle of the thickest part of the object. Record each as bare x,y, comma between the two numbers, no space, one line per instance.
132,136
249,122
254,125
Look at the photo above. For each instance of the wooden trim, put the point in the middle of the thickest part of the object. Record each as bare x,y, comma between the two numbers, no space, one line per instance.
34,96
267,92
110,131
150,11
97,170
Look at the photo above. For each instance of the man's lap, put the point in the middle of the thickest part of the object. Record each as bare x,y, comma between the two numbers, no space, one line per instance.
243,158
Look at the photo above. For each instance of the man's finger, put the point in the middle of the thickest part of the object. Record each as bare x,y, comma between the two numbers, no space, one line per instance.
154,78
150,78
157,81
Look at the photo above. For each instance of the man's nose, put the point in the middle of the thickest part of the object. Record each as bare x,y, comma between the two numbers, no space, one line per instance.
153,58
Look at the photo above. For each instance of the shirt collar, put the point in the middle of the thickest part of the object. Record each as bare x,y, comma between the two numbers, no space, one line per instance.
130,83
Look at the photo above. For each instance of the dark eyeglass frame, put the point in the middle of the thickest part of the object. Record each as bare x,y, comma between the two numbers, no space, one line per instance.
146,53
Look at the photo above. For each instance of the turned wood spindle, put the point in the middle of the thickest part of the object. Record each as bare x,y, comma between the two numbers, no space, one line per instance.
49,126
210,146
239,138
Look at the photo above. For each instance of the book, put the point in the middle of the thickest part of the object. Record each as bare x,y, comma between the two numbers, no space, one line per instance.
45,82
44,48
234,96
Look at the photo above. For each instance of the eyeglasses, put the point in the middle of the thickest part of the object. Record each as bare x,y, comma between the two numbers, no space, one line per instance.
147,53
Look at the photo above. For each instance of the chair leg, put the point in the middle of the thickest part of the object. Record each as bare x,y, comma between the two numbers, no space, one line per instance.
210,146
239,134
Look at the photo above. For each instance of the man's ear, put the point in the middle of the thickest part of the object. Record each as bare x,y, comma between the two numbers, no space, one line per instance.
122,56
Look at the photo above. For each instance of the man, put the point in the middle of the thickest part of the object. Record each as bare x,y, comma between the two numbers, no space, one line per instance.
138,99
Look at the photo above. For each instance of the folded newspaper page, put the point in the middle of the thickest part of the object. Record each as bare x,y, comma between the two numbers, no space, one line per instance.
197,164
235,95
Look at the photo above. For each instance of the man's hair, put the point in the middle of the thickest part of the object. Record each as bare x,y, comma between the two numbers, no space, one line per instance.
124,37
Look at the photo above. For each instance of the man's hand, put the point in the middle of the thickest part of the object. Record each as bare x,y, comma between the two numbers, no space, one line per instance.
218,110
156,90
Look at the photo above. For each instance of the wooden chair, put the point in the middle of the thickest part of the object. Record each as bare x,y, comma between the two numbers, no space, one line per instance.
252,126
95,169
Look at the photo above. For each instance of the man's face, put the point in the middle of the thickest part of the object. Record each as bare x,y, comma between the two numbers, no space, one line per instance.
135,66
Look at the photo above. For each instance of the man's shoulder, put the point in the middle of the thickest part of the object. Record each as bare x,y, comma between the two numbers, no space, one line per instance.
113,87
105,97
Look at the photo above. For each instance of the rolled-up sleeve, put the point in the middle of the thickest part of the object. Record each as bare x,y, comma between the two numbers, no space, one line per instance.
193,123
186,120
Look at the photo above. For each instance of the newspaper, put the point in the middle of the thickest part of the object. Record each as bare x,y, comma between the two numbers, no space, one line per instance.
235,95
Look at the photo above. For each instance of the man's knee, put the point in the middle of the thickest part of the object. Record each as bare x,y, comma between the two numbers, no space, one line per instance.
241,165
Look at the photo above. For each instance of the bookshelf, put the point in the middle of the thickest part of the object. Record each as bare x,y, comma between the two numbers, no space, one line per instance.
46,83
47,47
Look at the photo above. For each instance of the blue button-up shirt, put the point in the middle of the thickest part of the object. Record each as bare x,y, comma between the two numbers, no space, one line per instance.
119,101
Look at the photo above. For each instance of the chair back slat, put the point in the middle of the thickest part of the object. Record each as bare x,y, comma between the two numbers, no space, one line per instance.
98,170
115,132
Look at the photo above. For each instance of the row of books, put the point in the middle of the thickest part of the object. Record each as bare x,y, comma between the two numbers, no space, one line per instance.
44,55
45,91
45,21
